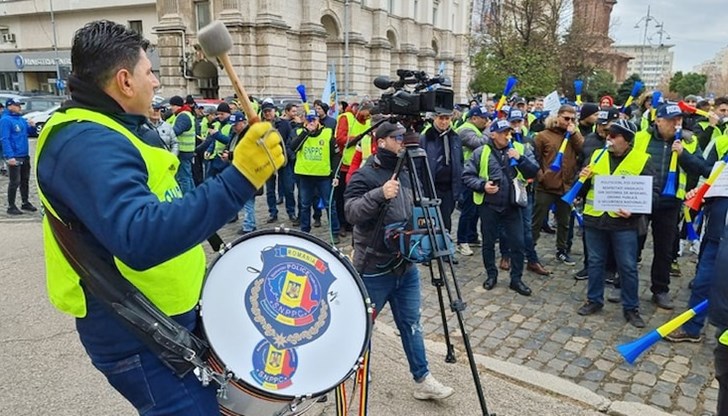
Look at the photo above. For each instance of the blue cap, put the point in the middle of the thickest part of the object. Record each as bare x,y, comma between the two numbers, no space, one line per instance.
311,115
12,101
237,117
478,112
515,115
669,111
500,126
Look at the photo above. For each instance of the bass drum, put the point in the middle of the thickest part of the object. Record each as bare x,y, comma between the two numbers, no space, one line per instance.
287,317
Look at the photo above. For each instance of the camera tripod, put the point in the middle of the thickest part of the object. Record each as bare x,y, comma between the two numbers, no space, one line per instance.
414,158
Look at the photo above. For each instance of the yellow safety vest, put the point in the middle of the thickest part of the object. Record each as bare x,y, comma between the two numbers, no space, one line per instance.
187,138
314,157
483,173
173,286
220,146
716,131
721,145
467,153
642,141
631,165
355,128
366,149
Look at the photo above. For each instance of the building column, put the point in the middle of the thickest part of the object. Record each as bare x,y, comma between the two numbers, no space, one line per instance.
271,58
173,45
461,70
380,49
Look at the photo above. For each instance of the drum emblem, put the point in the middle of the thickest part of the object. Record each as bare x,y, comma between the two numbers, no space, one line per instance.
287,302
273,368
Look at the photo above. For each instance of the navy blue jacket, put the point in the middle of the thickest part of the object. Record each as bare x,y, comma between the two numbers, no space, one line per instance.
14,131
446,172
96,177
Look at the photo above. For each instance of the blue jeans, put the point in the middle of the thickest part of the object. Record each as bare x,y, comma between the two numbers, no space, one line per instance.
624,244
137,373
403,294
529,247
701,285
284,179
513,225
184,176
249,220
314,205
309,187
468,222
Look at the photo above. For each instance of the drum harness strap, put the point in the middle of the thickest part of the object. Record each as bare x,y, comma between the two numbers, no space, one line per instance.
176,347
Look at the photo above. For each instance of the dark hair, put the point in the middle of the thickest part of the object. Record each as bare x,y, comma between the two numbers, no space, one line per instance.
290,105
103,47
720,100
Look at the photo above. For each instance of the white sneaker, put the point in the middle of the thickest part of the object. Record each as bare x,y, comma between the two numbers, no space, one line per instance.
695,247
465,249
431,389
681,248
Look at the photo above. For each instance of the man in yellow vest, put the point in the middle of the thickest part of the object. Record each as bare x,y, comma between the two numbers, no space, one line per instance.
472,137
659,141
128,203
615,232
183,123
492,179
315,151
349,125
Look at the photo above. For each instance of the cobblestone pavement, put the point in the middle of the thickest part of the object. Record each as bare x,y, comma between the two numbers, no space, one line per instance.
544,332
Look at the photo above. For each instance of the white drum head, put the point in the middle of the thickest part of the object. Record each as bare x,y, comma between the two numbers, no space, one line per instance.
285,314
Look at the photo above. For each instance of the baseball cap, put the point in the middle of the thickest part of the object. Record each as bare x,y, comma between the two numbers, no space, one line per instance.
624,127
12,101
478,112
669,111
176,100
587,109
311,115
236,117
515,115
500,126
389,129
157,106
605,115
442,111
267,106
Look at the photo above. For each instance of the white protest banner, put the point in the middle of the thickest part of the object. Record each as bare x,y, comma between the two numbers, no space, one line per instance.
552,103
630,193
720,186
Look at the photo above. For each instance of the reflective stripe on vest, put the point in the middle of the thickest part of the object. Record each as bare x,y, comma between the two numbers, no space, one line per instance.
704,125
314,157
187,138
483,173
631,165
467,152
641,143
174,286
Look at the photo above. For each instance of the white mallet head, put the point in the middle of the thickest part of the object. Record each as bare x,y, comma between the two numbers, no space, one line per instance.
214,39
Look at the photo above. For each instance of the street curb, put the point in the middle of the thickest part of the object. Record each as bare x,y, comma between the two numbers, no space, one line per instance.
543,381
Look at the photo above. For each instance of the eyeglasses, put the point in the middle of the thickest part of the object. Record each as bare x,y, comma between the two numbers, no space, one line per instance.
613,135
568,118
398,138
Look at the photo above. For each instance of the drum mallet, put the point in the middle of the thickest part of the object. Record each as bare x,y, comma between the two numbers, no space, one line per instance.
216,42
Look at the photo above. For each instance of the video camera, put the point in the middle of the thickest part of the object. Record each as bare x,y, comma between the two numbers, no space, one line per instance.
428,94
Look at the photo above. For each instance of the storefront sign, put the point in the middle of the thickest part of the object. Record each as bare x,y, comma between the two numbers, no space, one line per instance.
21,62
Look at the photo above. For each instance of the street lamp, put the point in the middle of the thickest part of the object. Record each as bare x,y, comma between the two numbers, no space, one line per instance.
646,19
55,50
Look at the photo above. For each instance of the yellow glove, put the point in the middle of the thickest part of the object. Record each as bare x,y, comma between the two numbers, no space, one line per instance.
259,154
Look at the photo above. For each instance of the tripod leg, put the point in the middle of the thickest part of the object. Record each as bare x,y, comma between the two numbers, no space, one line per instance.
439,283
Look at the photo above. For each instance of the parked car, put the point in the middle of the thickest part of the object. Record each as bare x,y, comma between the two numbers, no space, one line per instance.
40,118
40,103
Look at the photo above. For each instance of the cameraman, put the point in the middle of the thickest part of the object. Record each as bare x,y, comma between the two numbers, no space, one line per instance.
387,276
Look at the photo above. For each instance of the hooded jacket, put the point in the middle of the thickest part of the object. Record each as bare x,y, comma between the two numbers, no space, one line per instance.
14,131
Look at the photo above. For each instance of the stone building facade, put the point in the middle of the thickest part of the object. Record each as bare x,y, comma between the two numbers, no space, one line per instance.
279,44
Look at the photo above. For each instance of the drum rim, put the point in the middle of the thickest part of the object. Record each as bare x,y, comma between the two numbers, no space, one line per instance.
347,264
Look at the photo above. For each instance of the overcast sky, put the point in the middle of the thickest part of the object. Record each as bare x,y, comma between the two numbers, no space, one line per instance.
697,28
